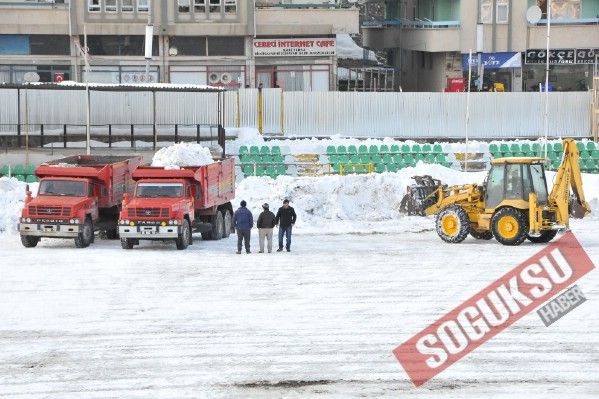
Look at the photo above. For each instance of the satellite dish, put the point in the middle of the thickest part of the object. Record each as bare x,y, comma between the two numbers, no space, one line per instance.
31,77
173,51
533,15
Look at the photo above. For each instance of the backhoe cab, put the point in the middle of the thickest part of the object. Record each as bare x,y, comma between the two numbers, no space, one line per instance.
513,204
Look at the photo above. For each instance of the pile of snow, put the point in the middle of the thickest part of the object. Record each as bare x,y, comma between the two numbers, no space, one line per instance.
348,49
12,197
182,154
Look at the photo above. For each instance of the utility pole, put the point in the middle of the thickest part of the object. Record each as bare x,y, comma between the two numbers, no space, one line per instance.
547,77
149,41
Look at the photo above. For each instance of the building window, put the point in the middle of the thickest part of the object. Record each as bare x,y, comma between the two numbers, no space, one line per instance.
118,45
93,5
35,45
230,6
187,45
294,77
127,6
503,10
226,45
47,73
142,5
110,5
183,5
214,6
199,6
486,11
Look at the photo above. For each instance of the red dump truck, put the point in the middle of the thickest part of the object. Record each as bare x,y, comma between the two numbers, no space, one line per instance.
169,204
77,195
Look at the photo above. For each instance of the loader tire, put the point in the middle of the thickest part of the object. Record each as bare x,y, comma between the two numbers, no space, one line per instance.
29,241
184,238
227,220
510,226
453,224
545,237
481,235
86,236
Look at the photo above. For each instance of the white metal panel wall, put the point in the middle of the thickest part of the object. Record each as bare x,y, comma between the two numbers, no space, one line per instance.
186,108
248,99
8,110
126,108
53,107
271,106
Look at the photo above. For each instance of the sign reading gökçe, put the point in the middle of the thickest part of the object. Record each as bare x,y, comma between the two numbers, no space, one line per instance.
311,47
562,56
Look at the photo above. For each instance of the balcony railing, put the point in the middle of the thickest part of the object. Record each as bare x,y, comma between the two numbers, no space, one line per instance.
572,21
411,24
300,4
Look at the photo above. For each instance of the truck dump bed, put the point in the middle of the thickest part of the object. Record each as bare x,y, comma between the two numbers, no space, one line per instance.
114,172
217,180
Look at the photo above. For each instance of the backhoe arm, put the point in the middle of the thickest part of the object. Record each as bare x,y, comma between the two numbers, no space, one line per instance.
568,175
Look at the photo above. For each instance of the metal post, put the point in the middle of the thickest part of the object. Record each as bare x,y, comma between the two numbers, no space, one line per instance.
87,99
468,109
19,118
176,133
64,136
149,45
109,136
546,127
154,131
260,110
26,127
132,137
41,136
198,133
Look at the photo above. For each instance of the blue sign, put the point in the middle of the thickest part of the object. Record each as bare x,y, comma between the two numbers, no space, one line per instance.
494,60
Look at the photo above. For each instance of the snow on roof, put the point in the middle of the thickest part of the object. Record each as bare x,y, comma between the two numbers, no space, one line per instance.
348,49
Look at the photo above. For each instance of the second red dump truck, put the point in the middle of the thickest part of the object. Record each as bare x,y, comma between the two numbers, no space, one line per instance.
77,195
169,204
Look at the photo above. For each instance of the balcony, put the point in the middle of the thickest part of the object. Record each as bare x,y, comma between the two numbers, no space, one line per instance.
306,19
26,17
418,34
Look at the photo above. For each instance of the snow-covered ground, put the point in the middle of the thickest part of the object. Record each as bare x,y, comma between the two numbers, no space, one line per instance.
320,321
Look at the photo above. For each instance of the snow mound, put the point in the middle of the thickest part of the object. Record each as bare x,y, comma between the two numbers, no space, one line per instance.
12,197
182,154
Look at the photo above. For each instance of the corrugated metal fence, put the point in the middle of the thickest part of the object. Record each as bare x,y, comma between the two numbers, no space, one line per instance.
409,115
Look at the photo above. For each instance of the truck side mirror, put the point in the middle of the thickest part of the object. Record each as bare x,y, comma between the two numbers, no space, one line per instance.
27,194
125,199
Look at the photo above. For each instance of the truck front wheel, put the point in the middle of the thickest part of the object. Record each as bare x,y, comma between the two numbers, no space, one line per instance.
86,235
126,243
185,236
228,219
29,241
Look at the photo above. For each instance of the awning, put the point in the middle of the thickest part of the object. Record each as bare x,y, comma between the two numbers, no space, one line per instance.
494,60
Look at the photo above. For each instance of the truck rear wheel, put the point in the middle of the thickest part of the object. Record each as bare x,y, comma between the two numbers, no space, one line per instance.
185,236
453,224
228,219
545,237
510,226
86,235
29,241
126,243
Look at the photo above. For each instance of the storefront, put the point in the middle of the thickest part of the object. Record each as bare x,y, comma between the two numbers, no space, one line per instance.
295,64
503,67
569,69
121,74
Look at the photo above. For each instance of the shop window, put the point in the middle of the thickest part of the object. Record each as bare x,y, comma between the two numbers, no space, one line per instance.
183,5
188,45
127,6
226,45
142,5
199,6
47,73
214,6
110,5
93,5
503,9
118,45
230,6
49,45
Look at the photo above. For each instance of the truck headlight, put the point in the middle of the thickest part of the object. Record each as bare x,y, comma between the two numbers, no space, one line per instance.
132,223
175,222
28,220
163,224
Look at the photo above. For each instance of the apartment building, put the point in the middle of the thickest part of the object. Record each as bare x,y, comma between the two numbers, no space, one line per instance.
429,40
229,43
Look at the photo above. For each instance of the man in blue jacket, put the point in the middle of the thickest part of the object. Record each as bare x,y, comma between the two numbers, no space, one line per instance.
243,220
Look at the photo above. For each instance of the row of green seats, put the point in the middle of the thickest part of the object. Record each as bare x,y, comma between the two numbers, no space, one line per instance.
384,149
586,165
537,148
18,170
264,150
407,159
584,155
270,170
26,179
259,159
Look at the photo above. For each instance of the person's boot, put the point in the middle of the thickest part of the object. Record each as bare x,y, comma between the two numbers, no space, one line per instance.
261,252
238,252
288,249
279,250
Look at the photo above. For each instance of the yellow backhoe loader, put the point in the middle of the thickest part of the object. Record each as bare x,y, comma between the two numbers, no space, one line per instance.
513,203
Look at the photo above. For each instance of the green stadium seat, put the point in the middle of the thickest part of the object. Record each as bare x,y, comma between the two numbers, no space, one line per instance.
373,149
555,163
352,149
361,168
405,149
519,154
440,159
363,149
20,177
31,179
331,150
504,148
265,159
243,158
387,158
429,158
281,170
580,146
536,147
384,149
364,158
590,165
5,170
515,148
254,150
595,154
409,161
247,170
392,167
278,158
558,147
348,169
419,157
376,158
380,168
260,170
271,171
30,170
416,148
276,150
437,149
507,154
243,150
18,170
264,150
525,148
591,146
585,154
581,163
493,148
426,148
335,167
341,150
344,158
333,158
394,149
397,159
355,159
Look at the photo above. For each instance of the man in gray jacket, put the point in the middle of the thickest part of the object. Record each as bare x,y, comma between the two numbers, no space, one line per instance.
265,224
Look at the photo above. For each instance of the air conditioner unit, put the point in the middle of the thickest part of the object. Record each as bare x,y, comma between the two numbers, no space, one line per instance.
214,77
226,78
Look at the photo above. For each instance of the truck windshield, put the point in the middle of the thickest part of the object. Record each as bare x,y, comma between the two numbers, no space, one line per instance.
159,190
66,188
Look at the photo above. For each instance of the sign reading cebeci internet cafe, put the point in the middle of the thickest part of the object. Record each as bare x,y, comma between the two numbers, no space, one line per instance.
296,47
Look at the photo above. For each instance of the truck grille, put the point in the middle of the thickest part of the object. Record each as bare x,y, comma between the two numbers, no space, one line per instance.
147,212
49,211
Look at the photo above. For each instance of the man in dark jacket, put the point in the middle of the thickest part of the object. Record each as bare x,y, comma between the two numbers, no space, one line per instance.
285,219
265,224
243,220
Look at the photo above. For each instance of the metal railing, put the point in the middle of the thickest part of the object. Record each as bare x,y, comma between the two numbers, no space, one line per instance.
423,23
300,4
